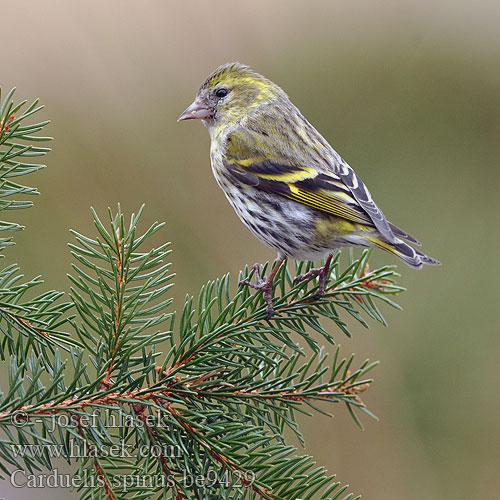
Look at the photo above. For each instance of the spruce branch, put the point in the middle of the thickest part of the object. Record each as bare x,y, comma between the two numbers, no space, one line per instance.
204,393
228,385
26,324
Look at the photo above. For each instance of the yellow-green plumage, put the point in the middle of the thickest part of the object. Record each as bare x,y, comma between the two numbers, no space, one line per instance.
283,179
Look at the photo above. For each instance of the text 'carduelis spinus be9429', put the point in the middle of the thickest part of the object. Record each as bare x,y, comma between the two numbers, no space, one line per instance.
286,183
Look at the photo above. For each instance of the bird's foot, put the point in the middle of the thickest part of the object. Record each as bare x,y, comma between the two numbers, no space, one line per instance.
321,272
262,284
260,281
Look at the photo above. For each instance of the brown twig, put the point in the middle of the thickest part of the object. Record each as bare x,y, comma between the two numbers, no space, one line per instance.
14,317
299,396
117,309
110,398
371,284
222,459
97,465
4,127
163,462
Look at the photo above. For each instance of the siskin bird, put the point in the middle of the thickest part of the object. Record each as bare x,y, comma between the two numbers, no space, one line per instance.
290,188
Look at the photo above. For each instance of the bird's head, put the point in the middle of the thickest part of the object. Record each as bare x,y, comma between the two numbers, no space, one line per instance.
232,92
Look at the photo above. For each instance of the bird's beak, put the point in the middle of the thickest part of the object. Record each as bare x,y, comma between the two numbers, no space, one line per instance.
197,110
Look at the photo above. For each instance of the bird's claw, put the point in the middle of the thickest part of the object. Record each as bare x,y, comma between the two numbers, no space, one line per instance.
321,272
261,284
310,274
260,281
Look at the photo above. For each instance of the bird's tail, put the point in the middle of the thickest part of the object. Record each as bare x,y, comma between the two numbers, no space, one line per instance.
409,255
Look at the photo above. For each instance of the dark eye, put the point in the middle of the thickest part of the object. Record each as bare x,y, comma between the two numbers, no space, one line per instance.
221,93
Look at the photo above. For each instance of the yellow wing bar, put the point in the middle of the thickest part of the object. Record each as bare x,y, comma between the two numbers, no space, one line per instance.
336,203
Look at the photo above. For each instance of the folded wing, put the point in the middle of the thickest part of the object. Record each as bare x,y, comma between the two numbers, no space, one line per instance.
340,193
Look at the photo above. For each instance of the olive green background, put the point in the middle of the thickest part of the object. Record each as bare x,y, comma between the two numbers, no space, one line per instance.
407,92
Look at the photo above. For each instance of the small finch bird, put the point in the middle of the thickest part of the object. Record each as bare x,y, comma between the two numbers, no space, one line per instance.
286,183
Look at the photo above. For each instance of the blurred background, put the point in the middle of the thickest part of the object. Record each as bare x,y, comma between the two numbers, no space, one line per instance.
407,92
